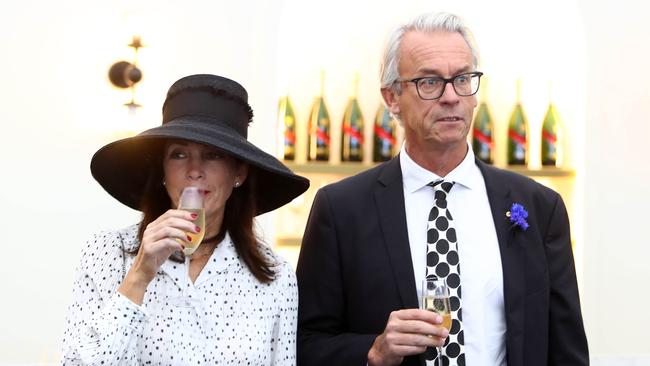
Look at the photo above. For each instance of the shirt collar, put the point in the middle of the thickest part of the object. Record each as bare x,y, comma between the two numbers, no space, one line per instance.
415,177
223,256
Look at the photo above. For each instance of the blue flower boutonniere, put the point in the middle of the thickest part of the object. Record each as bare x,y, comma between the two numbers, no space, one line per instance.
518,216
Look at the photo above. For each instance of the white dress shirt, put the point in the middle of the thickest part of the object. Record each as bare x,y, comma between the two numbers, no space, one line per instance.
233,319
478,248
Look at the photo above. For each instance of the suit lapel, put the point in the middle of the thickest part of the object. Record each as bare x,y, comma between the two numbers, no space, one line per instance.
512,260
389,198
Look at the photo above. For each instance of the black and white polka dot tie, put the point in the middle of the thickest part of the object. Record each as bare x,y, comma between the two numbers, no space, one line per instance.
443,263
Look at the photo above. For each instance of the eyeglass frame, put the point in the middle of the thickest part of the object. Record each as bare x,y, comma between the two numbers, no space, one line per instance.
444,86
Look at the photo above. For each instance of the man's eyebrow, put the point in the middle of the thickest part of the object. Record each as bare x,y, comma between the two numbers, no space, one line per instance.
434,72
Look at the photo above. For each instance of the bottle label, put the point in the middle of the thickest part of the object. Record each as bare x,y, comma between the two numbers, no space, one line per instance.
519,145
356,138
483,138
551,153
549,147
520,153
517,138
289,138
384,135
322,138
549,137
483,145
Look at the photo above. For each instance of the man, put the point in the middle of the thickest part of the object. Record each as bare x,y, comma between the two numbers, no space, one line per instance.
436,211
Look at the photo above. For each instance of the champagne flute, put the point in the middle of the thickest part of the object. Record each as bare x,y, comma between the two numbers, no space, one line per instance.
192,200
435,297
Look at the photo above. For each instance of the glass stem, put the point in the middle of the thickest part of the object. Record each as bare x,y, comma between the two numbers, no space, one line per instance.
187,276
439,356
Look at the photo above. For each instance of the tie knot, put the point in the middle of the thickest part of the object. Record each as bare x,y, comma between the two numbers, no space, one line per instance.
442,185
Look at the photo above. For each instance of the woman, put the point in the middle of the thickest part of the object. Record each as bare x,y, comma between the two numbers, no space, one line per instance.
133,302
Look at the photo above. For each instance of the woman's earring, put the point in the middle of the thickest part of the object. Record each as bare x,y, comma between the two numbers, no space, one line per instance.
163,182
236,184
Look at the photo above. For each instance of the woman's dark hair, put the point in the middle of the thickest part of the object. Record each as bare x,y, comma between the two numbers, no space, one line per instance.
237,219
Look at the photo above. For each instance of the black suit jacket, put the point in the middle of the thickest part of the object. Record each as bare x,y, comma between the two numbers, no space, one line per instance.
355,268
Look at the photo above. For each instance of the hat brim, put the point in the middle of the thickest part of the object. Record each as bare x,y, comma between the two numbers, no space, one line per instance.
122,167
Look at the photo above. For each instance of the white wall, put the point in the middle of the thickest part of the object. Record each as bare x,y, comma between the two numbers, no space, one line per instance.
57,109
617,177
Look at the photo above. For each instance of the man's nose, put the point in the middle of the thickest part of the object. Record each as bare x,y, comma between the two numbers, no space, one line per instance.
449,94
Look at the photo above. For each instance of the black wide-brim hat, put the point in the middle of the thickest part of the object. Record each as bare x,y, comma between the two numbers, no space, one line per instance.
206,109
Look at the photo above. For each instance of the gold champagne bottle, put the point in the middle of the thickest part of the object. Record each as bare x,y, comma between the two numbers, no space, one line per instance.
287,121
352,128
550,131
482,142
384,136
550,137
318,147
517,133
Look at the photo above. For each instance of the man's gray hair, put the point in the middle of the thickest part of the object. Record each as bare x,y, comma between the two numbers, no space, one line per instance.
428,22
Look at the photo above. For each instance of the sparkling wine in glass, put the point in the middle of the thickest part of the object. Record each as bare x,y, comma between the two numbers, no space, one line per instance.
435,297
192,200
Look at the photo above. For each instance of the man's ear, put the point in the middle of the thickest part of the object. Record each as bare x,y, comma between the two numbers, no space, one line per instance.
390,98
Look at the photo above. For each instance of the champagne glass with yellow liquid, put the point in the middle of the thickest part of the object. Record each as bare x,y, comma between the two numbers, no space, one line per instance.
192,200
435,297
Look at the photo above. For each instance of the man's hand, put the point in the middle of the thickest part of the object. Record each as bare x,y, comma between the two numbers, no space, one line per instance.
408,332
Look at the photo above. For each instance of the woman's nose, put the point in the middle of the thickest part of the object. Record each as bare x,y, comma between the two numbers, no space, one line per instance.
195,169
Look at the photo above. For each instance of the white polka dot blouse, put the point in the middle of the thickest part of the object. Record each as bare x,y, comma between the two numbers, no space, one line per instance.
227,317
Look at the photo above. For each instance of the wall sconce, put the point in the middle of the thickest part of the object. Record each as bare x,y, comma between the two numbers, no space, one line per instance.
124,74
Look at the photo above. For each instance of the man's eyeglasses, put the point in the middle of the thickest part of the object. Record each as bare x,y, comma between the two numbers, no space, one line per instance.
432,87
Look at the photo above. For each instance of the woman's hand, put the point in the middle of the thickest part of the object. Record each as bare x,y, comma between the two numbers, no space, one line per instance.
159,241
